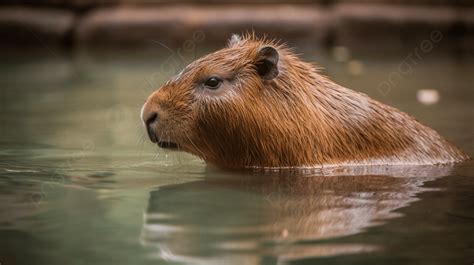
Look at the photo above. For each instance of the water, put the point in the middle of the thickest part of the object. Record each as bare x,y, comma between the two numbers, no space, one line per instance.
81,184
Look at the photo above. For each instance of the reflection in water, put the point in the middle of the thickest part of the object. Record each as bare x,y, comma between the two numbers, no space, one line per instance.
276,217
76,170
16,200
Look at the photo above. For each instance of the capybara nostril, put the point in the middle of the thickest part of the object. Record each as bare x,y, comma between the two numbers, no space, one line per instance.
150,123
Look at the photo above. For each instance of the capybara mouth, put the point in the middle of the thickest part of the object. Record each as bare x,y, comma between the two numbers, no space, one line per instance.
167,145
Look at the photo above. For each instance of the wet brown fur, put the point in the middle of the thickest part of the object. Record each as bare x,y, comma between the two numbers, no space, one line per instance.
299,118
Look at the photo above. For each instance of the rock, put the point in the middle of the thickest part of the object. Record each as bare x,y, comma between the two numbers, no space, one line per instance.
466,31
410,2
76,5
181,26
392,27
20,26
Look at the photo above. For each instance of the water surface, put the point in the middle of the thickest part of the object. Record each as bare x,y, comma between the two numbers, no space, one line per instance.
81,184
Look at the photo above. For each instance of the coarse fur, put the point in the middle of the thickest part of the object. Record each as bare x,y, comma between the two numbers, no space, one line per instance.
291,117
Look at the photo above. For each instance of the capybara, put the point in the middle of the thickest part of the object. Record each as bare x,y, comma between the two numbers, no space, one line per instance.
256,104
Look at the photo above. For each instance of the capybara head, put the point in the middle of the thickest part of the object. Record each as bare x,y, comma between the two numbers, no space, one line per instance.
225,107
256,104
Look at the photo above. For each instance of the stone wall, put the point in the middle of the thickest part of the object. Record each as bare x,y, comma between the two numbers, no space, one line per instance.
361,24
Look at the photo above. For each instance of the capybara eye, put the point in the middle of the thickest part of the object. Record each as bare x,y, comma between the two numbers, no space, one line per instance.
213,83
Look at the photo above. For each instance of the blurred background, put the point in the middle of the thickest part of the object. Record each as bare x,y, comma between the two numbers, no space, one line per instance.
109,55
81,184
357,24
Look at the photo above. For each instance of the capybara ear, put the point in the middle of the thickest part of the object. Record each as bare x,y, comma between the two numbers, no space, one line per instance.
234,40
267,62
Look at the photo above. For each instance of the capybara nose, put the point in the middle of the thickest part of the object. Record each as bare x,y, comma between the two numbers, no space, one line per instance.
150,123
